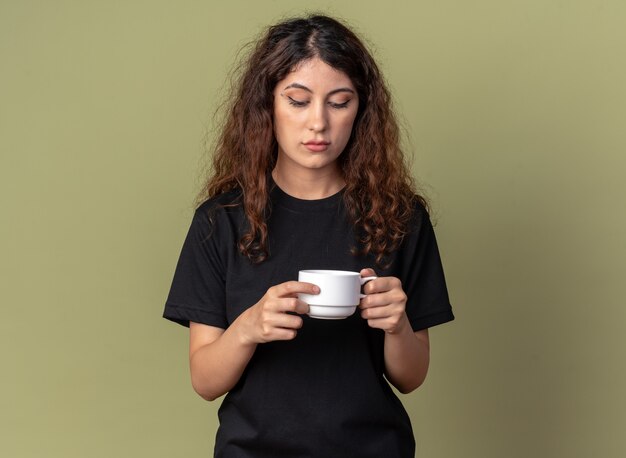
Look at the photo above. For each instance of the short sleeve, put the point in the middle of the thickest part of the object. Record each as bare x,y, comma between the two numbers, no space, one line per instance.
421,272
198,288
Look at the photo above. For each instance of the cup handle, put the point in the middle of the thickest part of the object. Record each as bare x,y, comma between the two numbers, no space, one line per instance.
365,280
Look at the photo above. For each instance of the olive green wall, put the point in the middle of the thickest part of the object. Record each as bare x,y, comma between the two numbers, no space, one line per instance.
516,112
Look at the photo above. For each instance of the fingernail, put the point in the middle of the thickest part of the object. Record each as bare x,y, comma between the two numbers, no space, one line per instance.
316,289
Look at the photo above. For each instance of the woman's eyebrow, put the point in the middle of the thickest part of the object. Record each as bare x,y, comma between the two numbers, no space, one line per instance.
303,87
298,86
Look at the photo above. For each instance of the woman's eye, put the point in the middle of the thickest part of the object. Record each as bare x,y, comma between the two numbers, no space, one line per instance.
304,103
296,103
339,105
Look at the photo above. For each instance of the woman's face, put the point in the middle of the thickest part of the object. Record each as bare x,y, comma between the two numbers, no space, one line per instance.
314,110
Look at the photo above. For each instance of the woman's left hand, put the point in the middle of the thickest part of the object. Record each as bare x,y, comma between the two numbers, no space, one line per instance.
385,303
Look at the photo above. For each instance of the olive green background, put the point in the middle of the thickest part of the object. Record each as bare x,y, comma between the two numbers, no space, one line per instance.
516,113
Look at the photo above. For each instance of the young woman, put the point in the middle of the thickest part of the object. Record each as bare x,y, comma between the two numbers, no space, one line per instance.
308,174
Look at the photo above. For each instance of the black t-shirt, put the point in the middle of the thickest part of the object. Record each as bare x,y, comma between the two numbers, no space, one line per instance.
324,393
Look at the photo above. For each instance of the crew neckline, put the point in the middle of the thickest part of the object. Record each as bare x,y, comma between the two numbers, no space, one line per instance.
280,197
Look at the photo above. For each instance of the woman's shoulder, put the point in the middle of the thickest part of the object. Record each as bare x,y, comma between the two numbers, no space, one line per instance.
218,209
419,207
420,219
225,200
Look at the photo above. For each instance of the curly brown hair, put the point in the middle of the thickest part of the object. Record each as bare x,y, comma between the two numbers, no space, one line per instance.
379,196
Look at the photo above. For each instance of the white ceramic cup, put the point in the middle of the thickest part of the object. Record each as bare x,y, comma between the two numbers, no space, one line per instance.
340,292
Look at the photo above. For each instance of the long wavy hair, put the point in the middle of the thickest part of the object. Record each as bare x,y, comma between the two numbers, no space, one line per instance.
379,196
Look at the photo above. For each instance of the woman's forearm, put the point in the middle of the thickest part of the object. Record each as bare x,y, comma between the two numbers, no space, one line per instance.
407,356
217,366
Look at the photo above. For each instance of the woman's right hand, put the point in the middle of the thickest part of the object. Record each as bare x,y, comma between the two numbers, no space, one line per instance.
218,356
275,317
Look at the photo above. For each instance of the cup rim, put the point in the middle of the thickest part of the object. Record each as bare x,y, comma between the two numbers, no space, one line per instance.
338,273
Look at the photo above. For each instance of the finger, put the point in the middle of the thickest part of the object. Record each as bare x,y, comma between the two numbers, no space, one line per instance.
283,334
376,300
367,272
291,304
292,288
391,324
302,307
272,330
372,313
285,321
380,323
393,297
290,322
382,284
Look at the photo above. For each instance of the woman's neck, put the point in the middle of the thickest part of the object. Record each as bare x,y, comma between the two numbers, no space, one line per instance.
309,186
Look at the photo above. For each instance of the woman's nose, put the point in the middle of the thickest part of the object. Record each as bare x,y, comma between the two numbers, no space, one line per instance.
317,118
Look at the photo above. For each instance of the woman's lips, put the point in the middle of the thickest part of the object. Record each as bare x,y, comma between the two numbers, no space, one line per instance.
316,147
